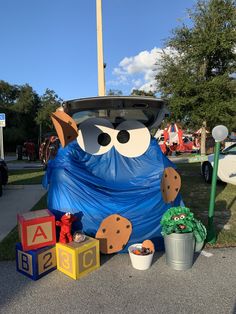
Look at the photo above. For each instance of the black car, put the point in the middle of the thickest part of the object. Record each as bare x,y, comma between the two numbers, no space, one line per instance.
3,174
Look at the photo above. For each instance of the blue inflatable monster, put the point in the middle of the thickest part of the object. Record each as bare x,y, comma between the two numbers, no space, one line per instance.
115,180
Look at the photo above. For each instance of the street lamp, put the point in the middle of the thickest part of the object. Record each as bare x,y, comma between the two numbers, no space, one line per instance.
219,133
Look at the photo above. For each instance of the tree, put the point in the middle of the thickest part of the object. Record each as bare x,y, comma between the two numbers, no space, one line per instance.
8,94
197,74
25,111
19,103
114,92
138,92
49,102
25,108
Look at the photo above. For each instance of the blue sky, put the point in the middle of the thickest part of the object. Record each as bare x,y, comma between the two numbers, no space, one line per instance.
52,43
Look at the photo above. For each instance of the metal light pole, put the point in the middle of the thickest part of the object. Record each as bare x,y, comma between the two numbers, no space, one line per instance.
1,143
101,79
219,133
2,125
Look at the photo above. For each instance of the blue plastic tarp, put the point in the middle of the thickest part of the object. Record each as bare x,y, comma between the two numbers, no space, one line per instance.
95,186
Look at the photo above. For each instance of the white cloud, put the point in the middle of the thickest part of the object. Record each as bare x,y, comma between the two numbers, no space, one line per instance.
139,71
137,82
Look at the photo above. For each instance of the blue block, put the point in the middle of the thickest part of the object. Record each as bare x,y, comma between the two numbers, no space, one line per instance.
35,263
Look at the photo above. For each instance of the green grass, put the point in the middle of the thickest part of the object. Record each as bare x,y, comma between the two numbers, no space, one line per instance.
7,245
196,196
25,176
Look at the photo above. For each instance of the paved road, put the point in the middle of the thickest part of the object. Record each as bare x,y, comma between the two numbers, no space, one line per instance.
24,165
209,287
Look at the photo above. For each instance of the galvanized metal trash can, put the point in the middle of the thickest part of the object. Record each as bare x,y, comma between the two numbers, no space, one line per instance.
179,249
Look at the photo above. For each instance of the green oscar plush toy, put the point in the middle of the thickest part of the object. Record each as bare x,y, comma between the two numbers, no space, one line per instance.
181,220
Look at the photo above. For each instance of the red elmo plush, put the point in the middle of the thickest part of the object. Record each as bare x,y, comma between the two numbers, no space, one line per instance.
65,224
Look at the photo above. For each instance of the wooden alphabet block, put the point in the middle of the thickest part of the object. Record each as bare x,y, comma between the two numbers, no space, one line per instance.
36,263
36,229
78,259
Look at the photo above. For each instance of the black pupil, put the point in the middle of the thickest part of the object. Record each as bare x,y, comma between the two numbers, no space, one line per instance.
123,136
104,139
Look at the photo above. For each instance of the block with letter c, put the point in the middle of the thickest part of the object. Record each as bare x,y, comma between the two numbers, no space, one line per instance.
78,259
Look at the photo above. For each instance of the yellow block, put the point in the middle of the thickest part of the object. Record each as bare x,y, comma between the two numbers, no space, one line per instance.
78,259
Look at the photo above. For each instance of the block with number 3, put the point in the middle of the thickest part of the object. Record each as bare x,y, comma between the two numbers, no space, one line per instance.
78,259
36,263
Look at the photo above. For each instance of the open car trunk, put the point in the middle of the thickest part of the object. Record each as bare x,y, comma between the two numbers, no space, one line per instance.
148,110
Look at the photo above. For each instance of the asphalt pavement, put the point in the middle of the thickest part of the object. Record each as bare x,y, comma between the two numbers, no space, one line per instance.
116,287
14,164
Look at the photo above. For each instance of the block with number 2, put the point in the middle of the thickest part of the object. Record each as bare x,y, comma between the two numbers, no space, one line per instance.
36,263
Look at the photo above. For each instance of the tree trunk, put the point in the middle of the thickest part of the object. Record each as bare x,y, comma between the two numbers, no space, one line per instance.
203,138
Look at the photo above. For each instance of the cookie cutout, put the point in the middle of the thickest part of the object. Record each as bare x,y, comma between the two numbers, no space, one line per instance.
170,184
113,234
148,244
65,126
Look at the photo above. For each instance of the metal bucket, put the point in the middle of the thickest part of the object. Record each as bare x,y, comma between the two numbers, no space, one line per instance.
179,248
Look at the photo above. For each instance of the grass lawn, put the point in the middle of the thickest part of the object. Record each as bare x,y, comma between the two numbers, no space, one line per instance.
195,193
25,176
196,196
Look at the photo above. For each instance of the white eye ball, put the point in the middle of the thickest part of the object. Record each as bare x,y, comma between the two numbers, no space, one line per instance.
95,136
182,216
176,218
132,138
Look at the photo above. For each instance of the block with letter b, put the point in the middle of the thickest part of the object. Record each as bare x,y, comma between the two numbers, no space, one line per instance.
36,229
36,263
78,259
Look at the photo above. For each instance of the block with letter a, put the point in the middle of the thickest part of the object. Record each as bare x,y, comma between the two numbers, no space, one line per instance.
36,229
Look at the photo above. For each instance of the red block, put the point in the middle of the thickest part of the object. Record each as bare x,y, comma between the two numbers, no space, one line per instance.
36,229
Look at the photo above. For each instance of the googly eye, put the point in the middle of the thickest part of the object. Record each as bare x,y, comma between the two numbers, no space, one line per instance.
132,138
176,218
95,136
182,216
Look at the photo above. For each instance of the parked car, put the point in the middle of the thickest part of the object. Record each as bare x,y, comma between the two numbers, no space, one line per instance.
226,167
3,174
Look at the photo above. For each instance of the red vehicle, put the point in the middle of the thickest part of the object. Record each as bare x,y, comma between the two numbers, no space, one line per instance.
48,149
29,150
174,141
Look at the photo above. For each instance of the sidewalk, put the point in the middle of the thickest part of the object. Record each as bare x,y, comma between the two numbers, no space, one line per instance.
17,199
